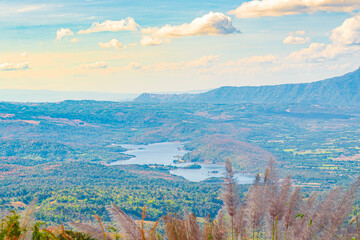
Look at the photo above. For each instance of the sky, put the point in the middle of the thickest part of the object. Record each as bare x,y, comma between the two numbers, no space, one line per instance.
170,45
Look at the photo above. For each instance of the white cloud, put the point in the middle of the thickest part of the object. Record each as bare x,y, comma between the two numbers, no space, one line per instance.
345,41
133,44
150,41
128,24
24,54
16,9
320,52
252,60
316,52
203,62
261,8
242,67
63,32
114,43
300,32
13,67
95,65
209,24
74,40
258,59
134,65
348,33
31,8
296,40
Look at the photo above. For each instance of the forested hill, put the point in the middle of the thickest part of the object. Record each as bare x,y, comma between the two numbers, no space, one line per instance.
343,90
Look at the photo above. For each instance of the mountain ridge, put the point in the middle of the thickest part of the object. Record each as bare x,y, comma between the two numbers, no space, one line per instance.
340,90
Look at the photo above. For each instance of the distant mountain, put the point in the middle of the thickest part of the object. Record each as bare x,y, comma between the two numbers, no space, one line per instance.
343,90
23,95
17,95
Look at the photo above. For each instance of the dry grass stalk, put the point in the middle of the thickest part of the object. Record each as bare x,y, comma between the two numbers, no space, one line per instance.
142,229
64,234
230,195
272,209
220,230
240,224
175,228
207,229
192,227
125,223
342,208
93,231
255,207
152,233
270,173
290,211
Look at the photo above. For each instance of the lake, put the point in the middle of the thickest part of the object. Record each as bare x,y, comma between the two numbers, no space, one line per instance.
165,153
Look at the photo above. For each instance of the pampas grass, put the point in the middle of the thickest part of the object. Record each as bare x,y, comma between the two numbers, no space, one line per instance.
125,223
207,230
272,209
230,194
220,229
91,230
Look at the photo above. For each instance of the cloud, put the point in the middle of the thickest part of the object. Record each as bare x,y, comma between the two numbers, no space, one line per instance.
254,60
320,52
258,59
16,9
208,64
345,40
95,65
114,43
262,8
316,52
150,41
300,32
14,67
63,32
203,62
74,40
242,67
31,8
296,40
348,33
209,24
134,65
24,54
127,24
133,44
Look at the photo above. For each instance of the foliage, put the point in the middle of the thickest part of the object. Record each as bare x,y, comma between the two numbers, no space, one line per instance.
78,190
47,151
317,145
10,227
272,209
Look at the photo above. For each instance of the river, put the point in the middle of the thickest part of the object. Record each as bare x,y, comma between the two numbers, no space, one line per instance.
165,153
